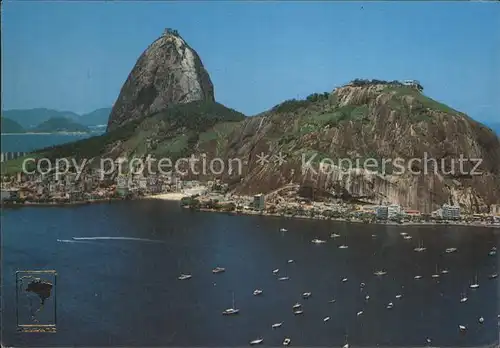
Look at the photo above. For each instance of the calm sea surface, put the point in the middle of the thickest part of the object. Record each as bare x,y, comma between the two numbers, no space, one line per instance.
31,142
113,292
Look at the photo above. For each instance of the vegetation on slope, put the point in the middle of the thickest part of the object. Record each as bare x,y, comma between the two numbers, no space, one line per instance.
180,124
10,126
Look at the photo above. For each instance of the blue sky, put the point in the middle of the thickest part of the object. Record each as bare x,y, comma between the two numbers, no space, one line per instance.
76,55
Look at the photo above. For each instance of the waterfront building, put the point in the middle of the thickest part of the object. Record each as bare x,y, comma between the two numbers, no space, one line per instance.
495,210
259,202
411,212
393,211
450,212
383,212
9,195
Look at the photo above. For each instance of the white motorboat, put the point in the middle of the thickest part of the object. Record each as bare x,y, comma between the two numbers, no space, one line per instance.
277,325
306,295
286,341
230,311
450,250
362,285
296,306
298,312
283,230
445,271
283,278
463,298
359,313
417,277
318,241
493,276
257,341
344,280
403,234
367,297
398,296
185,276
257,292
492,253
408,237
481,320
276,271
335,235
332,301
343,246
290,261
218,270
380,273
326,319
390,305
462,328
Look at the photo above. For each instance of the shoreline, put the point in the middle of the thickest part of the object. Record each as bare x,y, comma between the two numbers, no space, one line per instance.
177,197
350,221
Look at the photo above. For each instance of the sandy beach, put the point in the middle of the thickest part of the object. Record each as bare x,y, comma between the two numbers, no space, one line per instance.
171,196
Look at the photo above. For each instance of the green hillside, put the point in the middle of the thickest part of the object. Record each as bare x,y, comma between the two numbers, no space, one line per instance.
11,126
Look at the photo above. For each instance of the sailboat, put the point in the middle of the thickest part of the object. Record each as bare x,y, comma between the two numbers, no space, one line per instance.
436,275
420,247
346,345
344,246
231,311
474,285
463,298
283,230
450,250
334,235
257,341
407,237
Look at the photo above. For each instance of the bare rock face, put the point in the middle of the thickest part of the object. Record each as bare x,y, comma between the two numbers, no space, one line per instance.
168,72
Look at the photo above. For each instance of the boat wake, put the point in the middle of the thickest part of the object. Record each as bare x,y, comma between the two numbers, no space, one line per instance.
118,238
72,241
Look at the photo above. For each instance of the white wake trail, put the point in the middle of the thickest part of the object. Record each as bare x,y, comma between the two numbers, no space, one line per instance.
118,238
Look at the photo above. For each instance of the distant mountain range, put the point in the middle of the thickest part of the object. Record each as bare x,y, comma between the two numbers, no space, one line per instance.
29,119
60,124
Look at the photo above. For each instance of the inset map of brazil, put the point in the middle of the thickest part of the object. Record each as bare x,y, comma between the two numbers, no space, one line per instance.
36,301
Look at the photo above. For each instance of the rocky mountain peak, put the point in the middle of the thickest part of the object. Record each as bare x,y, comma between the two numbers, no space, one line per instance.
168,72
